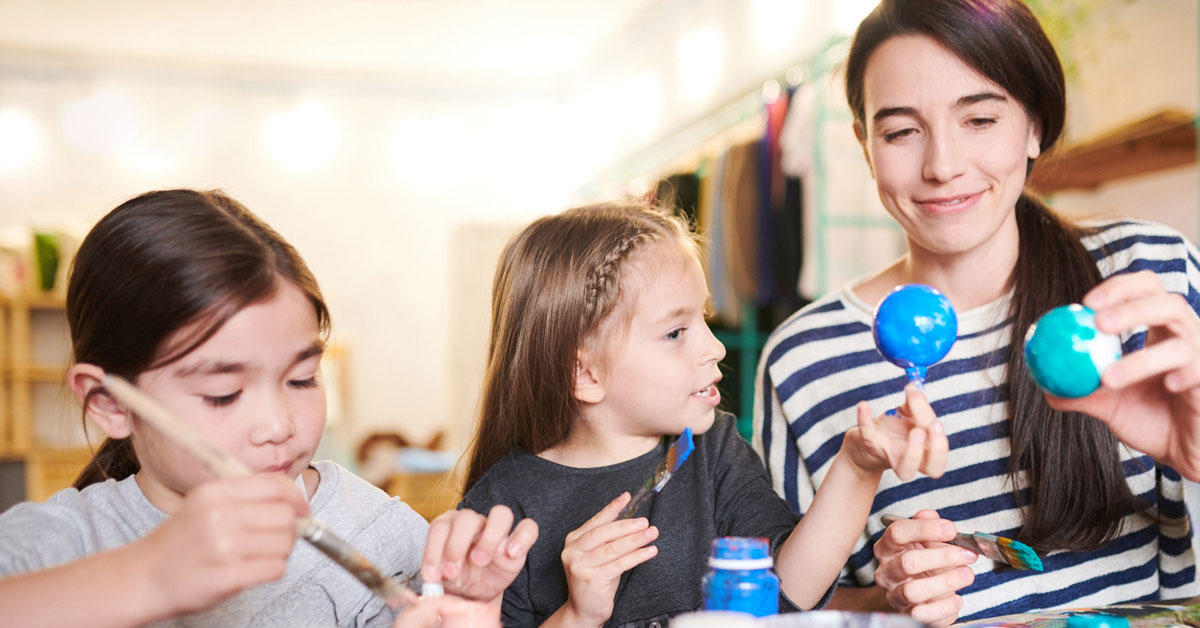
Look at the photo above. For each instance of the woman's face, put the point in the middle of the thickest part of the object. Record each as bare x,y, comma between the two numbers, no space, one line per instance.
947,147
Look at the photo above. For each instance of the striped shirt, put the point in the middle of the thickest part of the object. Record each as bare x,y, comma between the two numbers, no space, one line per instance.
820,362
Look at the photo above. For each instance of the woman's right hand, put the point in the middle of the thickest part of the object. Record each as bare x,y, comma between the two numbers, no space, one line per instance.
920,571
596,554
227,535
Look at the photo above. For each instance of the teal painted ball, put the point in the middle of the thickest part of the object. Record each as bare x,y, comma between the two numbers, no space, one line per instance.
1096,620
1065,352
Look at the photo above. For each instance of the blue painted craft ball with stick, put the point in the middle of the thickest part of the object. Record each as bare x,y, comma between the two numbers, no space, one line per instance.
1065,352
915,326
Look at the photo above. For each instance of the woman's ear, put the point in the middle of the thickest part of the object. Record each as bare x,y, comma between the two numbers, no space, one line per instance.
84,380
588,386
1033,144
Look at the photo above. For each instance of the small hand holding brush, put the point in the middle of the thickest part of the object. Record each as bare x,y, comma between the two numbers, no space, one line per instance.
998,548
679,451
393,592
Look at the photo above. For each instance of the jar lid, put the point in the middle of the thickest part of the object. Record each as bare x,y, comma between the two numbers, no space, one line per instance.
740,552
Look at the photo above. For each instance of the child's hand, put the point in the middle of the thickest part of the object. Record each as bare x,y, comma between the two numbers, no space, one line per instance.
912,440
228,535
448,611
475,557
597,553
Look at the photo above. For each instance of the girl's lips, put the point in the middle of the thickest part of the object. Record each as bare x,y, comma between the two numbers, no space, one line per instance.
709,395
949,204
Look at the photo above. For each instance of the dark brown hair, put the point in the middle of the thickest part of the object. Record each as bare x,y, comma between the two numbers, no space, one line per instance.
156,264
557,281
1077,490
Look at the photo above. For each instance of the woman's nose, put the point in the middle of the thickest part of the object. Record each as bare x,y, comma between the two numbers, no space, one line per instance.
943,158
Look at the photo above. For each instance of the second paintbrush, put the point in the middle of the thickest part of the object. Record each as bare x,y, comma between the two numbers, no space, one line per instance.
998,548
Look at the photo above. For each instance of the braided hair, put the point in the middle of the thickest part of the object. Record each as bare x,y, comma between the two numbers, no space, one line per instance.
556,288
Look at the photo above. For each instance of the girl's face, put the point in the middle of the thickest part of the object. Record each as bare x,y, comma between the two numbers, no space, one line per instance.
253,389
661,374
948,147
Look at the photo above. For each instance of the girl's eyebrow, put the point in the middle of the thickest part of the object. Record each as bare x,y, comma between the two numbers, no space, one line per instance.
969,99
220,367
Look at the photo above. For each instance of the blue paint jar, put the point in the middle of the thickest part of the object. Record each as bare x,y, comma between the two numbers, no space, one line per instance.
741,577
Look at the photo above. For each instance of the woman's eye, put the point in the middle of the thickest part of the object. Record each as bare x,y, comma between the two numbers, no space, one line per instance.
311,382
218,401
675,334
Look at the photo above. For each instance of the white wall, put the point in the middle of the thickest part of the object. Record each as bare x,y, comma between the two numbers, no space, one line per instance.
376,229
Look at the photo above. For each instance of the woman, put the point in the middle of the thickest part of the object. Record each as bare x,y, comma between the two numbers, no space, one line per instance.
953,101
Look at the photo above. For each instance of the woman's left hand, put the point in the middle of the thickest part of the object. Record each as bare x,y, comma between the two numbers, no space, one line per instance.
474,556
1150,398
910,440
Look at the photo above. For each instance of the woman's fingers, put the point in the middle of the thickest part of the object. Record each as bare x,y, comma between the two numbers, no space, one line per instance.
939,612
1168,356
923,590
921,561
924,527
1122,288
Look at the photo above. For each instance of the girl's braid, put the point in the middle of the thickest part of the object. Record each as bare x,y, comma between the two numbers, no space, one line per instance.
603,280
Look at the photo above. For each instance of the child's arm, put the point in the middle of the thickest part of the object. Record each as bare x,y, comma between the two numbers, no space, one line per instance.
227,535
475,557
594,557
812,557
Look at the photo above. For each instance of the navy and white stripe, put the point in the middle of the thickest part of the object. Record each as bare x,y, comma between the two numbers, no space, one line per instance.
822,361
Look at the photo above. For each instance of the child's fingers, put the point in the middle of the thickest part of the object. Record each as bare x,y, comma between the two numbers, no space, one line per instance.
521,540
866,422
605,534
607,514
916,406
437,541
914,451
937,448
495,531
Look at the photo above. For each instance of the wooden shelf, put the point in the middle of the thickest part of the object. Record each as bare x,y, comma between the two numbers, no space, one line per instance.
1161,141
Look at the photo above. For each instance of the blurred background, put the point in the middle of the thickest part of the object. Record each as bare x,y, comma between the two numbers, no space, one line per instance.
398,143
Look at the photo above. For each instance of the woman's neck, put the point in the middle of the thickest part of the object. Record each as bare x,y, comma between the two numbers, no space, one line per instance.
969,279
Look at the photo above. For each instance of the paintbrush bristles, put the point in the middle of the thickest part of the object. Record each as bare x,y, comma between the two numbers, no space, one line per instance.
678,452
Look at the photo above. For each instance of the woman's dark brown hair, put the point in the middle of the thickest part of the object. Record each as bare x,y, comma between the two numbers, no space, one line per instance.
557,281
1077,490
156,264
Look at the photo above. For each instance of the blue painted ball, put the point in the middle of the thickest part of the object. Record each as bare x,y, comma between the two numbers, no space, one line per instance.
915,326
1066,354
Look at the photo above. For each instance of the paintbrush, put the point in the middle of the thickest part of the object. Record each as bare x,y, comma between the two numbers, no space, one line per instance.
679,451
998,548
394,592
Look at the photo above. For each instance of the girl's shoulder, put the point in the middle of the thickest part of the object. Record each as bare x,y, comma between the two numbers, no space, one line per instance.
73,524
